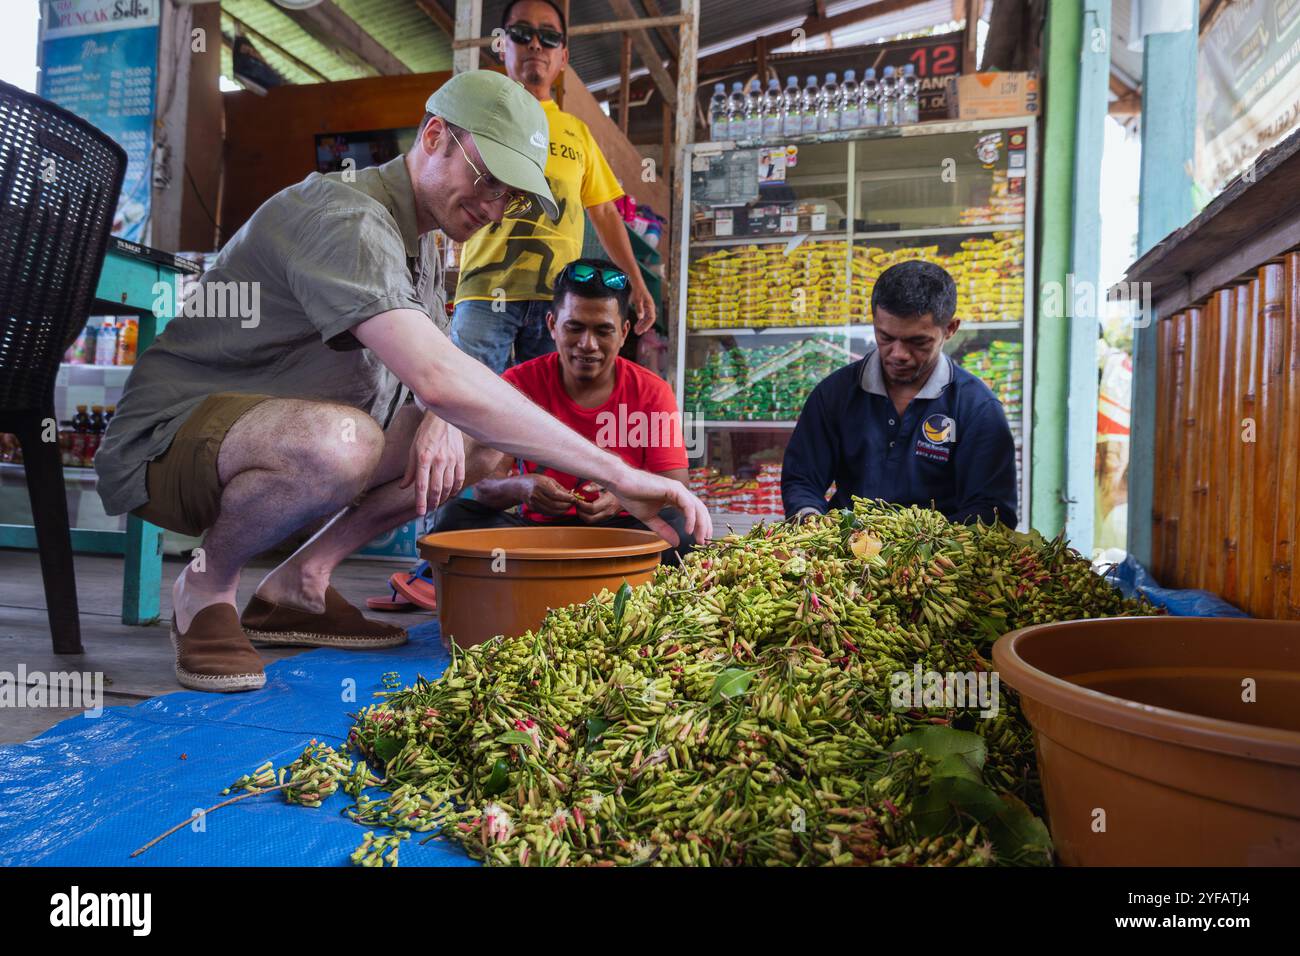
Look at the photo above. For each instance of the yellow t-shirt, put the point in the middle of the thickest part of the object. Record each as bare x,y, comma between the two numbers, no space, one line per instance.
524,256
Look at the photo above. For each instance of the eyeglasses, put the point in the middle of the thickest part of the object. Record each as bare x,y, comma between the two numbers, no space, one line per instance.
523,34
611,278
518,203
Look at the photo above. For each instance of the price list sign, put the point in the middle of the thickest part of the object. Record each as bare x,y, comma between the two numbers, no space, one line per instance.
99,59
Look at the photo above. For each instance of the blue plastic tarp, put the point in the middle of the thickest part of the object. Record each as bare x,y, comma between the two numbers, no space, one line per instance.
90,790
1134,580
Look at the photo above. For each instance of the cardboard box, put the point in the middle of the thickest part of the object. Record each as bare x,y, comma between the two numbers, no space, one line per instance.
993,95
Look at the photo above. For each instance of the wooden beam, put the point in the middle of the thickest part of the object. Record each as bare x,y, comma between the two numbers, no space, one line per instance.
333,28
970,49
653,9
680,217
646,50
434,11
469,23
559,80
624,82
820,7
635,24
743,48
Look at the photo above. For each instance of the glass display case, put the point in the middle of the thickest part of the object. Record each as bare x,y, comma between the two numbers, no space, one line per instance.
779,250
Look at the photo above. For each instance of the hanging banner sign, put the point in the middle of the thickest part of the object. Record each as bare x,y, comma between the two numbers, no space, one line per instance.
99,59
1248,86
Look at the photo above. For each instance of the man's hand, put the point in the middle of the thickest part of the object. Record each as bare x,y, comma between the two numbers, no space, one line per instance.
644,495
436,465
643,304
545,495
600,509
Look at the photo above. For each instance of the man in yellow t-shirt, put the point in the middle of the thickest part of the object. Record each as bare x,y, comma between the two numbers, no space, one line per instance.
508,270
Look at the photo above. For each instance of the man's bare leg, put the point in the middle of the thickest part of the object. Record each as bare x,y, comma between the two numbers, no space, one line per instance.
284,463
302,579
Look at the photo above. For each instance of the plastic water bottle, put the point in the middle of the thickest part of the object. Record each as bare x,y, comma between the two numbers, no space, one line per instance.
736,112
754,111
791,118
808,105
889,98
828,98
909,96
772,110
869,99
718,113
849,108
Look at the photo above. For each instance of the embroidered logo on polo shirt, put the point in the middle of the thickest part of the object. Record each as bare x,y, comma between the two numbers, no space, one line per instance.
937,432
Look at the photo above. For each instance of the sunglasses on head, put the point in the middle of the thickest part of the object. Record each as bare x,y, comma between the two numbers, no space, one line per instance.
523,34
611,278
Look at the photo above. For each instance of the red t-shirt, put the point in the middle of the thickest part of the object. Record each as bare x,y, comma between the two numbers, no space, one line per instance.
639,421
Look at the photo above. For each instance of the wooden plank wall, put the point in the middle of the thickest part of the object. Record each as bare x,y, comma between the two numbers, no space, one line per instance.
1227,453
271,140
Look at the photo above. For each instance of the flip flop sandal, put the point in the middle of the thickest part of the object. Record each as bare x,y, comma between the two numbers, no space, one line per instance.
417,587
394,603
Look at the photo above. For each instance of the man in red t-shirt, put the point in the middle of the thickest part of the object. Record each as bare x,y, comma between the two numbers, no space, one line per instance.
613,402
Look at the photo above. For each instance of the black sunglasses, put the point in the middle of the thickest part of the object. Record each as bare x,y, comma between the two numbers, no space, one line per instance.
523,34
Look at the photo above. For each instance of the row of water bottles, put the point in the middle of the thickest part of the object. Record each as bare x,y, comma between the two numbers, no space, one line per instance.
892,100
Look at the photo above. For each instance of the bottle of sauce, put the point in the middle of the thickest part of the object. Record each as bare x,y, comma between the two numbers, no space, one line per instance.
80,432
94,435
127,336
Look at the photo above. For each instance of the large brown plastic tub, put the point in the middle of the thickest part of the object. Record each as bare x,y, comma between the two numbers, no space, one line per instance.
1143,720
503,580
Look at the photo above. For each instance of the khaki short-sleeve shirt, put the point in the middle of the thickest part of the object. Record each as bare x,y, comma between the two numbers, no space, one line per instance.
274,314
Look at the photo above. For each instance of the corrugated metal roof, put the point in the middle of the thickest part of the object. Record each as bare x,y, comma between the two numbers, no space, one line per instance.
275,25
411,36
407,33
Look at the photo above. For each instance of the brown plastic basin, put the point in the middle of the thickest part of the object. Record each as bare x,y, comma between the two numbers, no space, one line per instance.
1143,718
503,580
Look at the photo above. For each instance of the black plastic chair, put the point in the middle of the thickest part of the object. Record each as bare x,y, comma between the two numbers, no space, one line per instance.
59,182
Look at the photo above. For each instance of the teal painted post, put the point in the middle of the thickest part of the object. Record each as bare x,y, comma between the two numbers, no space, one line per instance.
1051,335
1085,270
1164,204
142,555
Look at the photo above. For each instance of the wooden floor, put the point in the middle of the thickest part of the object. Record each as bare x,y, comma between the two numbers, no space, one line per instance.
137,662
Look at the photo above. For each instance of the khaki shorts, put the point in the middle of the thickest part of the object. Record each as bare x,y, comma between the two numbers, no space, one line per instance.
184,488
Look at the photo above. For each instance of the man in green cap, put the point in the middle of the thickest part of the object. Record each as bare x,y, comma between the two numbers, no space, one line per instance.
282,398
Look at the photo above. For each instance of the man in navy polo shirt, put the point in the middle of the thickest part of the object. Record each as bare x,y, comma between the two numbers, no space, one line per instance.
905,423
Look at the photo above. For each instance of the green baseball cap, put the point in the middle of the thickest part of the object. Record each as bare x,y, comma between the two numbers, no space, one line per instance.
509,126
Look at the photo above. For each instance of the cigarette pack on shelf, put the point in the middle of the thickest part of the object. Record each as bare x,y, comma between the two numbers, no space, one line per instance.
989,272
766,286
729,494
1000,366
769,383
1004,205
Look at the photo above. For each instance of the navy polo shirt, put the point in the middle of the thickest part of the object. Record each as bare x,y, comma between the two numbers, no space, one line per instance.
951,447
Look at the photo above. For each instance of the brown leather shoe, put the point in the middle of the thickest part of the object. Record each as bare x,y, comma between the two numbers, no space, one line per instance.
339,625
214,654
